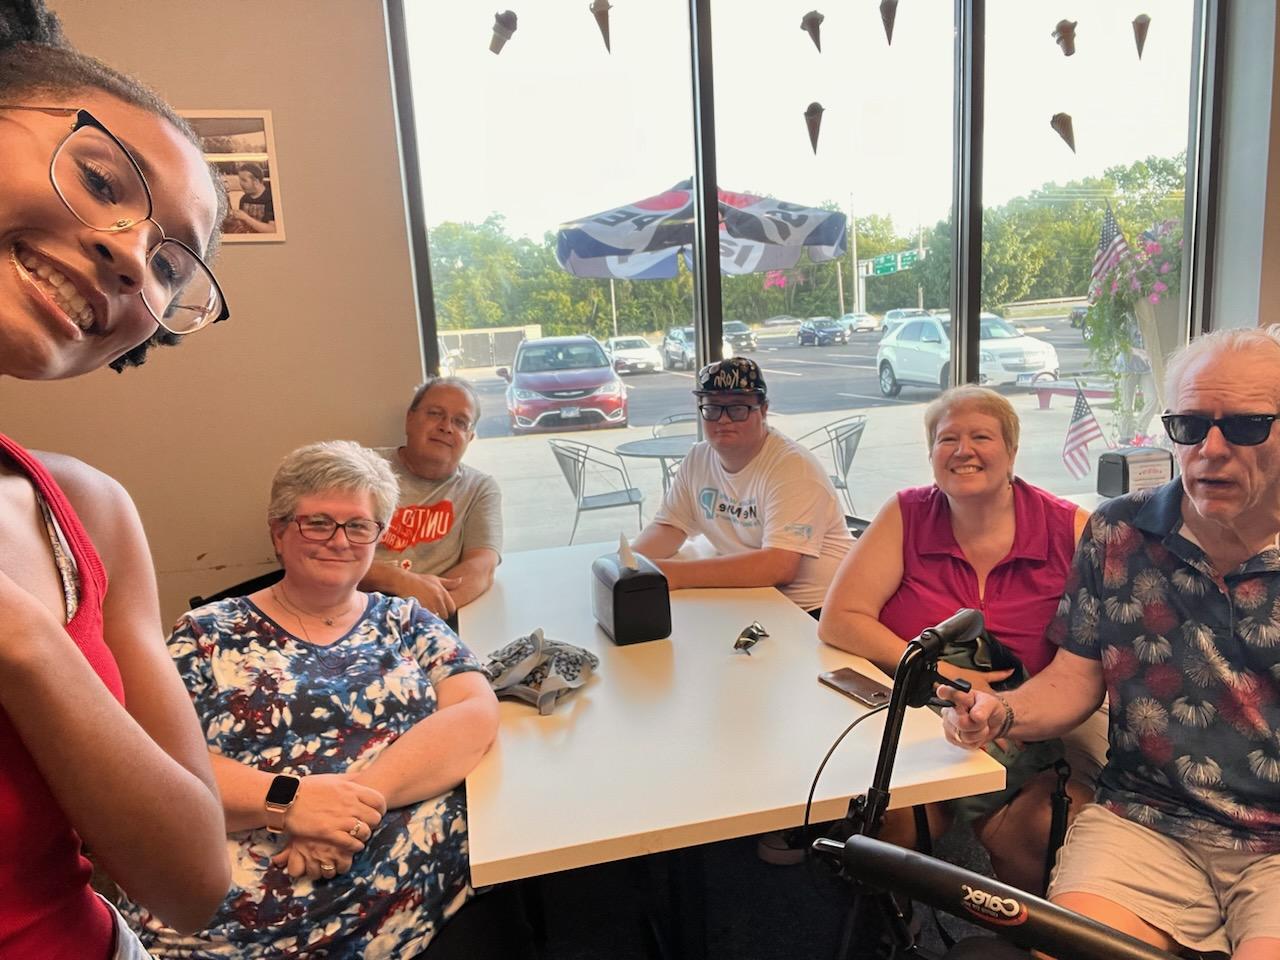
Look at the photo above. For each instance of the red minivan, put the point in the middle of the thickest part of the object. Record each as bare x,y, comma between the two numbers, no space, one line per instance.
563,383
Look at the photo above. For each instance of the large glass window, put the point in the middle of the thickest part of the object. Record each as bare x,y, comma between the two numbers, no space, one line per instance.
557,190
860,128
1085,195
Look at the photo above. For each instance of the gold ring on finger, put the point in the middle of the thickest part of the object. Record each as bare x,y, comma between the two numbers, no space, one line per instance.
355,830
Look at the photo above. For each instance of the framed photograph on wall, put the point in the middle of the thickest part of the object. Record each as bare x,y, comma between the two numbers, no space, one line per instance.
241,147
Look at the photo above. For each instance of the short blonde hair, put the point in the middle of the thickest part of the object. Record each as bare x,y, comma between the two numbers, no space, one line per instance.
1237,340
333,465
984,400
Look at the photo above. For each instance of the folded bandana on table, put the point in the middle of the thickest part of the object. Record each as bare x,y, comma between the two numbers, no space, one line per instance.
539,671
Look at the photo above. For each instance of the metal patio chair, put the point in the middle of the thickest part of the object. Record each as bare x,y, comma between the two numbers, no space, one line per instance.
581,463
839,441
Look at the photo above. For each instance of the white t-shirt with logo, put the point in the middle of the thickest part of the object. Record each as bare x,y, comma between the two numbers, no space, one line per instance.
783,498
437,520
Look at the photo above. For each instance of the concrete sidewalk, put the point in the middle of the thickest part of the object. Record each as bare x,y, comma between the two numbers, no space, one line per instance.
538,507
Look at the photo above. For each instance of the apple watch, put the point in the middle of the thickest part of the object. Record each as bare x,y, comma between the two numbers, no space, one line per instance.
284,790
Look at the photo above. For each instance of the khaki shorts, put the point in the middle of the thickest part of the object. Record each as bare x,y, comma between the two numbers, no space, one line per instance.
1183,888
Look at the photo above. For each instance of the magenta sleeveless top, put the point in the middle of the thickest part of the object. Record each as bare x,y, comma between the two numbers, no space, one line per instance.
47,909
1022,591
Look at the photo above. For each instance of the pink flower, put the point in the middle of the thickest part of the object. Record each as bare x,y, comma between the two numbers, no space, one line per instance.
1153,249
1159,286
1115,285
1166,267
1154,298
1133,283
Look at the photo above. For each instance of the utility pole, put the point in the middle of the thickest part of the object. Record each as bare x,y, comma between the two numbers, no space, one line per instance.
920,252
840,285
859,288
613,303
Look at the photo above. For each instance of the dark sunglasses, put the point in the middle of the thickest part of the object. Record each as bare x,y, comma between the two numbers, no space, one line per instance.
1240,429
738,412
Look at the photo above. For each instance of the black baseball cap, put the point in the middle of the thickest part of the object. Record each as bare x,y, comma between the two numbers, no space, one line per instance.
731,375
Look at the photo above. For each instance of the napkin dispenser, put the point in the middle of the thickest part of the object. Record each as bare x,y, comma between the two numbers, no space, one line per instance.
1133,468
629,597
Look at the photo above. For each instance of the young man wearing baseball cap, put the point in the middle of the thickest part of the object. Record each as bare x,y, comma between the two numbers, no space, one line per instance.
763,501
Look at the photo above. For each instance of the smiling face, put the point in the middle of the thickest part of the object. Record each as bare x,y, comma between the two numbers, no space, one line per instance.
1238,486
969,455
316,569
434,441
69,294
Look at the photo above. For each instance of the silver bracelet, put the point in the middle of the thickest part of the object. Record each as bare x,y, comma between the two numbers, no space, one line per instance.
1008,719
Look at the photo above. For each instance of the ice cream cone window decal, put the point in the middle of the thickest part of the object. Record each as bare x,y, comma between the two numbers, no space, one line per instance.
504,25
600,10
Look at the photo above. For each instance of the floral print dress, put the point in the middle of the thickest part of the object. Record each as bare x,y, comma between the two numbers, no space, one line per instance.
276,702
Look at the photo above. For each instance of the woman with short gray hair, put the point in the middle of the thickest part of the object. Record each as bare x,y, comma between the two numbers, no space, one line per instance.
340,725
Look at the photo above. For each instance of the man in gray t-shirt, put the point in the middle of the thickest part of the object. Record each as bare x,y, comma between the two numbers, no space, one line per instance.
445,538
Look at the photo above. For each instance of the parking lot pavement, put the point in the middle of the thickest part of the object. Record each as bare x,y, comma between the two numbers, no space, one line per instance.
801,380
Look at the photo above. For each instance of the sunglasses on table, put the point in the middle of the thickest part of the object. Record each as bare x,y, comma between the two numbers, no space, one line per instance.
1240,429
738,412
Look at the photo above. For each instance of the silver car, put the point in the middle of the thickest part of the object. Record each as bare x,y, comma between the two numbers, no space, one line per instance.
918,353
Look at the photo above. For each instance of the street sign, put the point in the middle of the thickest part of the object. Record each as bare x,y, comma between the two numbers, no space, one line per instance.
907,258
887,263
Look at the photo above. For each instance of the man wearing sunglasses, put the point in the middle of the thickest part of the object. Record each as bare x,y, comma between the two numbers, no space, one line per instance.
762,501
1173,612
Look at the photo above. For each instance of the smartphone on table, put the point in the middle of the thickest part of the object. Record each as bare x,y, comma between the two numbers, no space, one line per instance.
848,681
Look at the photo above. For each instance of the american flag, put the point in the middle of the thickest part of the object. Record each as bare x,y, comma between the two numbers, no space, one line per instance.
1112,248
1082,429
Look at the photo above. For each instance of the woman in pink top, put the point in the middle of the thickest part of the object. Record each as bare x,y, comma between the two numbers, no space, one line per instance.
98,741
981,538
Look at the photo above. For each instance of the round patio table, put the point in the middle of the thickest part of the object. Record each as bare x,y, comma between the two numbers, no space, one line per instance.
663,449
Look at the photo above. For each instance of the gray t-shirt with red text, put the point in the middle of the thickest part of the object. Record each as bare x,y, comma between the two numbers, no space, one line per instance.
438,520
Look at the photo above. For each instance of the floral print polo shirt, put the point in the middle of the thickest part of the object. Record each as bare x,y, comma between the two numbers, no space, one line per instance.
1191,660
276,702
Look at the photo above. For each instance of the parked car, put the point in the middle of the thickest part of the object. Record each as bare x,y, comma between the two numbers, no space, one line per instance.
633,354
1077,315
919,352
558,383
678,349
739,336
895,318
822,332
860,323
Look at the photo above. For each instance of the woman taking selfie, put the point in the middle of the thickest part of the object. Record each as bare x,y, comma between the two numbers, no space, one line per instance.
104,248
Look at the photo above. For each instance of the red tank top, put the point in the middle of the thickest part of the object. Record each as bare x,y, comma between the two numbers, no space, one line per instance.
1022,590
47,909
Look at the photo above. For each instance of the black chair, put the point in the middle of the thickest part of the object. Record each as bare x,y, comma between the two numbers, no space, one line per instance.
242,589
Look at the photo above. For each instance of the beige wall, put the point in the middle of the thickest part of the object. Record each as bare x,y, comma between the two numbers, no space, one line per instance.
323,342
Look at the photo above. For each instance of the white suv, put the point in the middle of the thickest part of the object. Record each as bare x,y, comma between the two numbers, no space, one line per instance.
919,353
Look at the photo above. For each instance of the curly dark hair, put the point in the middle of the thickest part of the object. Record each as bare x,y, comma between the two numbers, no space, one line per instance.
36,59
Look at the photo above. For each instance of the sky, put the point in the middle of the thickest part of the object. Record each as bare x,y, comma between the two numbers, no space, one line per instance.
555,128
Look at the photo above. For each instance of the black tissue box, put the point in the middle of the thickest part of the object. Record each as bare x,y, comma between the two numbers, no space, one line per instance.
1127,469
631,606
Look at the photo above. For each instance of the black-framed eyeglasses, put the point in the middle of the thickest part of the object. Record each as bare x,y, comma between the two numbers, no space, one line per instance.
321,528
100,182
711,412
1240,429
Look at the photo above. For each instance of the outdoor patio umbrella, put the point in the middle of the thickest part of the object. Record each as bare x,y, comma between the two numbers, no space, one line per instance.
642,240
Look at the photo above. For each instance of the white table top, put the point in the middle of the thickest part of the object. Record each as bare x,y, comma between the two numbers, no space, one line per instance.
676,742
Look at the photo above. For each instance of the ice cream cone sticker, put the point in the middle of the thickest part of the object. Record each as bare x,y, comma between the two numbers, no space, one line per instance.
813,120
1061,122
888,11
600,10
1141,23
812,25
1065,35
504,25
